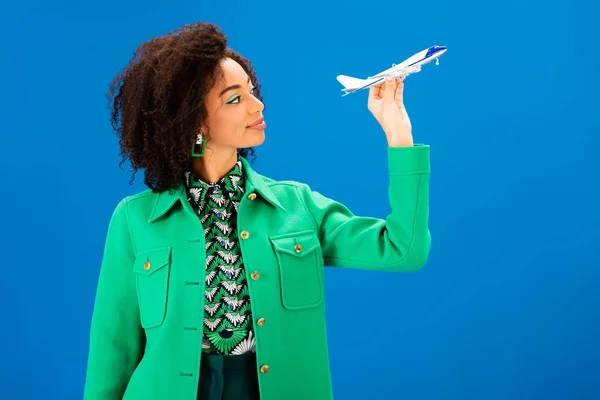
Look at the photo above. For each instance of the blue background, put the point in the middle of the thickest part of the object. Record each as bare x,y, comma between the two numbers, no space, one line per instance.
508,304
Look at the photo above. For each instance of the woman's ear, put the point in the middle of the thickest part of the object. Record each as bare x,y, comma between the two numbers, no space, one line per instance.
203,129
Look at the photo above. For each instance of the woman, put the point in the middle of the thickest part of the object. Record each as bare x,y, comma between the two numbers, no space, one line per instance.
211,284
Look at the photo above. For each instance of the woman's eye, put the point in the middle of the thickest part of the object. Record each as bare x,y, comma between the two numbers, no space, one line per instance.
236,98
233,101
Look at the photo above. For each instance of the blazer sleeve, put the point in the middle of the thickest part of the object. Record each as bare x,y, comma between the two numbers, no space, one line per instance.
116,340
401,241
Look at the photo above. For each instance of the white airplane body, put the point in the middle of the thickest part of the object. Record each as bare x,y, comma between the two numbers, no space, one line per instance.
409,66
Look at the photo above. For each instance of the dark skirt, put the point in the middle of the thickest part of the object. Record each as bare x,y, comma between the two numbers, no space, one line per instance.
228,377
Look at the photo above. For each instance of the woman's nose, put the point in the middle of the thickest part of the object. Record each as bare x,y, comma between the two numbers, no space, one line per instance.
259,104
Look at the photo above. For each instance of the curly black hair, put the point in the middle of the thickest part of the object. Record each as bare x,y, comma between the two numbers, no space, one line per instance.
157,100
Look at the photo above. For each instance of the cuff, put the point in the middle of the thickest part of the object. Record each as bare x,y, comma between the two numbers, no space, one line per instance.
408,160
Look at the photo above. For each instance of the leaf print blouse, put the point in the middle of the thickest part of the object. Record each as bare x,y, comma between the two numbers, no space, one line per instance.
227,316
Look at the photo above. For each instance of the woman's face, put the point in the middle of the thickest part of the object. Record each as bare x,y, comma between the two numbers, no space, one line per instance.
232,109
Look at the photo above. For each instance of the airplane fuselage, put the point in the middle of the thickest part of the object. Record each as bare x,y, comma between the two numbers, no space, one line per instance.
410,65
421,58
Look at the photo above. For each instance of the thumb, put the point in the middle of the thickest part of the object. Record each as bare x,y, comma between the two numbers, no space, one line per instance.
390,90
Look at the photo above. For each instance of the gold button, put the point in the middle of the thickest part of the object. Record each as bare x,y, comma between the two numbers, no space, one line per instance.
147,265
244,234
251,196
298,248
255,275
260,322
264,369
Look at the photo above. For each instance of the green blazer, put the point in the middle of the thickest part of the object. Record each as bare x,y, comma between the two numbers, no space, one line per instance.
146,328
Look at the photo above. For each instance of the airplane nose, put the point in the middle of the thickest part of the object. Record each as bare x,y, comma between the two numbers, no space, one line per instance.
435,51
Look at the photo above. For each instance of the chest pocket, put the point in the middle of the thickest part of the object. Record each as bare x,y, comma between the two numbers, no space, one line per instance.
152,269
300,261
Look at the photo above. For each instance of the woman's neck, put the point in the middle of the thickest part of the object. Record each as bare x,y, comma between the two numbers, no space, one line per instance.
214,165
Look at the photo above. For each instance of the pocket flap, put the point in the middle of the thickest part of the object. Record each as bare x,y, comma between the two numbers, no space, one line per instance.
297,244
149,261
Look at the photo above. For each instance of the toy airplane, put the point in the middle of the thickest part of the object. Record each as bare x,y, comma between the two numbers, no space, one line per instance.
409,66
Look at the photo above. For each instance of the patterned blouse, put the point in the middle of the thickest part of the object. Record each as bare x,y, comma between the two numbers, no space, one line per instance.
228,327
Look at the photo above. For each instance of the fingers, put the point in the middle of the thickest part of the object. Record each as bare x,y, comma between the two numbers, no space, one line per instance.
374,92
390,90
399,94
399,98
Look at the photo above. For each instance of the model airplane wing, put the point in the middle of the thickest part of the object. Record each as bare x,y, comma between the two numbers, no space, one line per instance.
396,72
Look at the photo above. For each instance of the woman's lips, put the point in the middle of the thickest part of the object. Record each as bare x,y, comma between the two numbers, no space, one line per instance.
258,125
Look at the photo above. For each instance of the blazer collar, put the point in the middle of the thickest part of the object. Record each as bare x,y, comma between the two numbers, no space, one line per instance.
253,183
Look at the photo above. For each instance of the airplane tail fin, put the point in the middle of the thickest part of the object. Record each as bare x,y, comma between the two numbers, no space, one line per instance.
349,82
